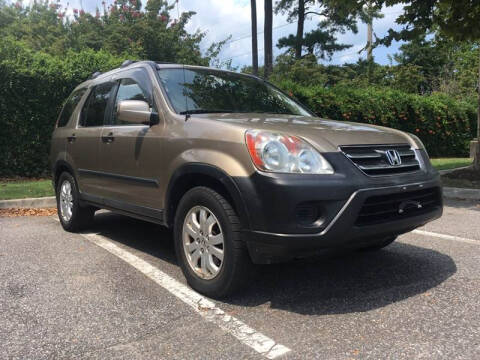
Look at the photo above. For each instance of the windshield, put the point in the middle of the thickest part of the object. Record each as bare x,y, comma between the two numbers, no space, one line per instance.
193,91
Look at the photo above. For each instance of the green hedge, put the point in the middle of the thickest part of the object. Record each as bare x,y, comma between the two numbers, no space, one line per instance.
445,125
33,87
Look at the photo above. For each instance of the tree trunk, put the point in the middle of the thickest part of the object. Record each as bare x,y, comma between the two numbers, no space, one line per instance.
476,161
268,50
369,51
253,5
300,24
369,40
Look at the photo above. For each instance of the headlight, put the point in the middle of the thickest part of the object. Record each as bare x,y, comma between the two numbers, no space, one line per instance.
284,154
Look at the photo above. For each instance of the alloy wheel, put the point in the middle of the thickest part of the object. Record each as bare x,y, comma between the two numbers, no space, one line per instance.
66,201
203,242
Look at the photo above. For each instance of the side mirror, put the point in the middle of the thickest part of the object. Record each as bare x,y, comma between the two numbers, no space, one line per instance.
135,112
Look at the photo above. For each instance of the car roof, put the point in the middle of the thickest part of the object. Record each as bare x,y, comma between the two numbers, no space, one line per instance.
128,64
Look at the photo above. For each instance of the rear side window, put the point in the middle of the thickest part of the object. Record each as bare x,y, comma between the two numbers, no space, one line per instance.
95,108
70,106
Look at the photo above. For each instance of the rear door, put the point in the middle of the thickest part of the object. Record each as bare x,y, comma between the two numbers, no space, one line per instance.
67,120
83,144
129,152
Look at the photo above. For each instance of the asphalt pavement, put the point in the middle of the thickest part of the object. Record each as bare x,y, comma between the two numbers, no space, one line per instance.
116,292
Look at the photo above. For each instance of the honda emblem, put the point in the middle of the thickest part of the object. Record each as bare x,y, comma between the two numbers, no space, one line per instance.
393,157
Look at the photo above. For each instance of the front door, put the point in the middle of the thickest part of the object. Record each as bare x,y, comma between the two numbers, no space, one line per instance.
129,152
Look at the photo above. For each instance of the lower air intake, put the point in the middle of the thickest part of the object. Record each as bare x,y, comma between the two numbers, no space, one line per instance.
391,207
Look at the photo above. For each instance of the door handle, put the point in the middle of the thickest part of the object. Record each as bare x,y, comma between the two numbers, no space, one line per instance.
108,138
71,139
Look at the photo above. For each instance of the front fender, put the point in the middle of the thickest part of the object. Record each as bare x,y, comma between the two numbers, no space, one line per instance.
231,165
210,171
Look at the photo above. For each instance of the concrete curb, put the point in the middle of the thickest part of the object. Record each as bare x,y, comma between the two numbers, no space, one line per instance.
44,202
461,193
48,202
448,171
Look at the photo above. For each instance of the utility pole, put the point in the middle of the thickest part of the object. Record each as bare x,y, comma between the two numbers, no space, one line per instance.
253,6
268,46
476,152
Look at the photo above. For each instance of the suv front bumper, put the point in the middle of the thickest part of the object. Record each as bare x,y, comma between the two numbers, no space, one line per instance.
274,202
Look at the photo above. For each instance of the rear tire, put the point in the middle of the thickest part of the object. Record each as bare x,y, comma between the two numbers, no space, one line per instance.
73,217
213,258
384,242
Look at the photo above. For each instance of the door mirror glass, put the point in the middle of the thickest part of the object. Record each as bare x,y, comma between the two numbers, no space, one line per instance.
134,112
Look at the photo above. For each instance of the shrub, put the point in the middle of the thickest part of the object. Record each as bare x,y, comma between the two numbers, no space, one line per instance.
34,86
445,125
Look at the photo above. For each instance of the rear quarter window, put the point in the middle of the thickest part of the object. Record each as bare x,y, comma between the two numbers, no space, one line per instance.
69,107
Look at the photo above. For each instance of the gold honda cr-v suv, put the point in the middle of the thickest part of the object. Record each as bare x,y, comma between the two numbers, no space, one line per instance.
240,171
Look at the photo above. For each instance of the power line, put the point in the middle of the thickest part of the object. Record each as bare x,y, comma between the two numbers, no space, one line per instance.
258,33
247,53
332,58
246,36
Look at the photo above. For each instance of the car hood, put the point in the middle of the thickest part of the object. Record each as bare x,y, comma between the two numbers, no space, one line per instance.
324,134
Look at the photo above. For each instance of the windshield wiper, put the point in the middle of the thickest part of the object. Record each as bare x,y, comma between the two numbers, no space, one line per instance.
204,111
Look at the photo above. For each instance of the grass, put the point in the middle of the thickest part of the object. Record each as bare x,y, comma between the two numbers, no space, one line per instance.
19,189
12,189
450,163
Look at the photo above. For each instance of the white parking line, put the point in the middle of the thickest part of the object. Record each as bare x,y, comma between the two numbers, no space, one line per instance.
203,306
447,237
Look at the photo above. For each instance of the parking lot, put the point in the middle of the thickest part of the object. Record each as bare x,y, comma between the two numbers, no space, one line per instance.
116,292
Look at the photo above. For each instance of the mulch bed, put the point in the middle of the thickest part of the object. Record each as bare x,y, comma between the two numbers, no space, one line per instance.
27,212
465,174
463,178
467,178
21,178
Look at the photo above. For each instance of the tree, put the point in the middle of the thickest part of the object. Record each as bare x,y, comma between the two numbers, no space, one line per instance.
455,19
370,11
253,6
321,41
125,27
298,12
433,57
268,42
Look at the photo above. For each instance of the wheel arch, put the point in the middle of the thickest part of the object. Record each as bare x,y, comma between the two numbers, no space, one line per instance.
59,167
199,174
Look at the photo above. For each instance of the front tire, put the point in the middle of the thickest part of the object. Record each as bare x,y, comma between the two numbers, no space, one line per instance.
73,217
208,244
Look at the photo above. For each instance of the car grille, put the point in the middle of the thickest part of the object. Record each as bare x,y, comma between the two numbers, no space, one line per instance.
391,207
373,160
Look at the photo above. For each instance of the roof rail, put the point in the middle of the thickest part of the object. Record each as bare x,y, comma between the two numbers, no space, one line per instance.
95,75
127,62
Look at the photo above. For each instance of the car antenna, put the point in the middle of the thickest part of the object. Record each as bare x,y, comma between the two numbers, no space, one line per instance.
187,115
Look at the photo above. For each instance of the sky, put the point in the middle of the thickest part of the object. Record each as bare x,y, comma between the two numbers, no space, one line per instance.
223,18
